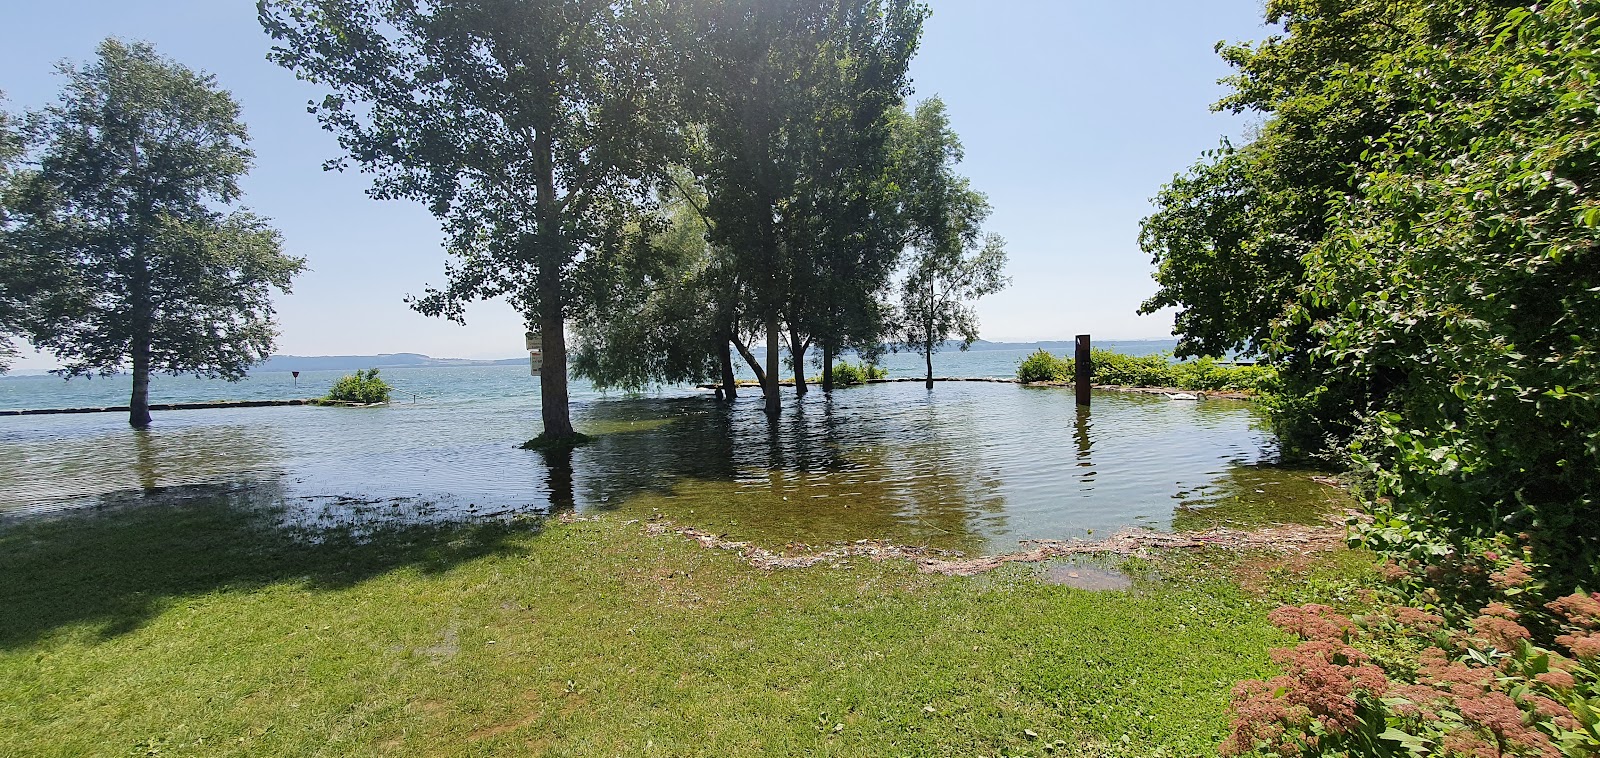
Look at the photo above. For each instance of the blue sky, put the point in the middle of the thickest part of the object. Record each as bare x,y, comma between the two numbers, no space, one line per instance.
1073,114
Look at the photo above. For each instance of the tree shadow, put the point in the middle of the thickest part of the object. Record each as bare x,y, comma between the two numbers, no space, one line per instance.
115,568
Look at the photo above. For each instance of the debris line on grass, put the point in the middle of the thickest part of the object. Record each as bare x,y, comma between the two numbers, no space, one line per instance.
1287,539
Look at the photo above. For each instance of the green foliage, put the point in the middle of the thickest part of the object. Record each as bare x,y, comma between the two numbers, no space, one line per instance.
793,104
1411,241
1041,366
1453,654
648,319
846,374
953,263
124,201
362,388
531,130
1154,370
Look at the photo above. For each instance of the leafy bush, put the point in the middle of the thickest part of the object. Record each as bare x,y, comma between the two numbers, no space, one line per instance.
1131,371
1156,370
846,373
1044,367
363,387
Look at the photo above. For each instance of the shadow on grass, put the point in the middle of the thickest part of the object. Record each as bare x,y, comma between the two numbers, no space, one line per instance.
116,568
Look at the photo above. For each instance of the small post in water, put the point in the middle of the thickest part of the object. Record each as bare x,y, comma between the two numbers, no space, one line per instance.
1081,369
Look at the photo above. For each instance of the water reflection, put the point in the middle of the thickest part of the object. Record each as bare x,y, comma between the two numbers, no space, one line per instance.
967,467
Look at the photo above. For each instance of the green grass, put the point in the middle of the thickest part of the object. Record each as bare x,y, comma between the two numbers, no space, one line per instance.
198,629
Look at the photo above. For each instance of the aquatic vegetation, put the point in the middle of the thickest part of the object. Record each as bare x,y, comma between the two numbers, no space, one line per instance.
846,374
1154,370
1041,366
361,388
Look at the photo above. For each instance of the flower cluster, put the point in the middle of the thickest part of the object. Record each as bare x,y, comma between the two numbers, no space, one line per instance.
1480,688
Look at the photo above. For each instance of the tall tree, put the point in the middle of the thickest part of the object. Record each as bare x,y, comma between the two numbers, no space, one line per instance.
529,129
952,261
134,168
13,282
764,80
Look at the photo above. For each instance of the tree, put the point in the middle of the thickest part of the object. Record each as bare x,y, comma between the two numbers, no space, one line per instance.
532,130
952,262
134,170
647,320
1424,184
13,282
770,81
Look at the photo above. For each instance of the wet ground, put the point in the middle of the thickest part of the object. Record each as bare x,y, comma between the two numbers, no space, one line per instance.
970,467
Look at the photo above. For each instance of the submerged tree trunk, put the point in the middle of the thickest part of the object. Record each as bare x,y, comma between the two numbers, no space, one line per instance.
553,403
730,385
927,354
772,366
755,365
827,368
139,402
797,357
553,408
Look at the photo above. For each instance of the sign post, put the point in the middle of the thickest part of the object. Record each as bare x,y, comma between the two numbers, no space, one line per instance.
1082,369
535,346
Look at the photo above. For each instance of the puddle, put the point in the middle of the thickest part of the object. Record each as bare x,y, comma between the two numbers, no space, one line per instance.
1083,576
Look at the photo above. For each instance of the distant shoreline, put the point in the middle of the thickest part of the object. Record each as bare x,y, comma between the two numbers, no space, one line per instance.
283,363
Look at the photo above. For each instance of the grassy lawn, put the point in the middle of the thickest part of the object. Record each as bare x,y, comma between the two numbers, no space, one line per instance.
198,629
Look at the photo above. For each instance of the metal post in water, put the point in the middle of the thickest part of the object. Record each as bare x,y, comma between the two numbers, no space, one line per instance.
1081,369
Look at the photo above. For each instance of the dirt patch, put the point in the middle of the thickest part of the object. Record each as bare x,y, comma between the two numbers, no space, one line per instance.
1289,540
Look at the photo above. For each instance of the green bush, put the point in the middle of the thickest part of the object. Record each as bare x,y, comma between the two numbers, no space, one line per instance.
846,373
1044,367
363,387
1132,371
1155,370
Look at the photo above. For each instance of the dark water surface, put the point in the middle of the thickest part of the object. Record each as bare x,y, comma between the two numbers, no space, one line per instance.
974,467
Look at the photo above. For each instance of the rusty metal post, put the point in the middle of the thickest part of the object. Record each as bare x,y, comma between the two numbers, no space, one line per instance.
1081,369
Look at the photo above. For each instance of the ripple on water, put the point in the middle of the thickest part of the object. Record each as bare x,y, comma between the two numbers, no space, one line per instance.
968,466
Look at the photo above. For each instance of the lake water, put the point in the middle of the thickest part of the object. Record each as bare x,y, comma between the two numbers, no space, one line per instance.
967,466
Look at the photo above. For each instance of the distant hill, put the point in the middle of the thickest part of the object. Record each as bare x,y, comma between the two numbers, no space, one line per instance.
1131,347
385,360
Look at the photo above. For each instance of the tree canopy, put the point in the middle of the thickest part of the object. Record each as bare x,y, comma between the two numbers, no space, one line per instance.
1411,239
125,203
533,131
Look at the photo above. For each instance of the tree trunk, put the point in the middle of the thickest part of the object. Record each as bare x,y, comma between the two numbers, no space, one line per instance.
927,354
797,356
755,365
772,365
827,368
730,385
553,405
139,403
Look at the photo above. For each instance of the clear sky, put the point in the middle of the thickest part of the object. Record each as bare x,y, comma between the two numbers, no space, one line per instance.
1073,114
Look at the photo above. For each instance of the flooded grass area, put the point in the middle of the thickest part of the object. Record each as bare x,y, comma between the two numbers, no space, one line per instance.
386,581
203,628
971,467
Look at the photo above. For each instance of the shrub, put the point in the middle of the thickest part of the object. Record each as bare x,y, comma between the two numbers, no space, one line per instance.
1464,655
1129,371
1044,367
846,373
1156,370
362,387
